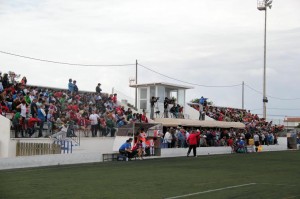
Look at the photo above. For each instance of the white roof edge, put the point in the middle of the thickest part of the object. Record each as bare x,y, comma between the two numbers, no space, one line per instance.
161,83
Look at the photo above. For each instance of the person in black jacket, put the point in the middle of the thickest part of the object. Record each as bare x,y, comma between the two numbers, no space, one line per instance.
98,89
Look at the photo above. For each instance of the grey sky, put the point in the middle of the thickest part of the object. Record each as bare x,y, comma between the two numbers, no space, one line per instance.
204,42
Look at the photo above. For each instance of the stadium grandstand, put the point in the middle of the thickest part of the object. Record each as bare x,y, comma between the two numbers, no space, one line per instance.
38,111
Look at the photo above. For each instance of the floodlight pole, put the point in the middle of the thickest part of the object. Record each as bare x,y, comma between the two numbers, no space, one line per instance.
243,94
265,56
263,5
136,81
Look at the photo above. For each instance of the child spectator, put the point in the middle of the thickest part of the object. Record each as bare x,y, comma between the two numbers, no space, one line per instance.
70,86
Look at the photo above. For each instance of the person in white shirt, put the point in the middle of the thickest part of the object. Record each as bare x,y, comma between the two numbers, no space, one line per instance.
256,141
168,138
23,108
94,123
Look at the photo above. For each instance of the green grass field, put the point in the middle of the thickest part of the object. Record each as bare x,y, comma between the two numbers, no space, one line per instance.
261,175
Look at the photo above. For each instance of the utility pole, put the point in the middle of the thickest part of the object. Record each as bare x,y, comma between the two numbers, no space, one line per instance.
136,82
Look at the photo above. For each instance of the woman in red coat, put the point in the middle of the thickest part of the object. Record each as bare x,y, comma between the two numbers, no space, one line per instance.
192,141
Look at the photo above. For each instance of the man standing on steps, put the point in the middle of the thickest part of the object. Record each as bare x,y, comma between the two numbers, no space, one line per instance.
192,141
152,103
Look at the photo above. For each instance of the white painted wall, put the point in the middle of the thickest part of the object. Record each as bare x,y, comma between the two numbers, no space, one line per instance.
194,114
4,136
91,150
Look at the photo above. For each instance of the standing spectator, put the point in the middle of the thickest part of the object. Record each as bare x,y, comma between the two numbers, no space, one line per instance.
70,86
230,143
50,118
143,137
16,123
30,127
24,81
166,105
94,123
168,138
180,138
115,99
192,140
5,81
256,141
1,79
201,112
34,108
202,101
152,103
247,137
23,108
98,89
75,88
42,116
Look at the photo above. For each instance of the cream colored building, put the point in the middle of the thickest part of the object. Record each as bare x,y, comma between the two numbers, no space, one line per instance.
291,122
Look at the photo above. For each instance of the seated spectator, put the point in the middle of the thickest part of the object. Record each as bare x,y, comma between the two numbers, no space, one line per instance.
103,126
121,122
83,123
125,148
111,126
138,148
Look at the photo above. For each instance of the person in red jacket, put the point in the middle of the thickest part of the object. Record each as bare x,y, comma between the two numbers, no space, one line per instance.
192,140
30,125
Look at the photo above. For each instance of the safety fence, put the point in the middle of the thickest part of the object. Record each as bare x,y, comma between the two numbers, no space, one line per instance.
66,146
29,149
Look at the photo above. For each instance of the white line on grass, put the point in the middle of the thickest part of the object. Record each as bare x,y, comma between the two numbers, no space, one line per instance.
212,190
292,197
289,185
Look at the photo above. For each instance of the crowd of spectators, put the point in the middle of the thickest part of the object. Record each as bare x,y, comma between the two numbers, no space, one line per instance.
98,114
33,108
237,139
266,131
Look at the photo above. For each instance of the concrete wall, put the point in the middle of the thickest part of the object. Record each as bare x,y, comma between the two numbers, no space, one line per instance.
194,114
4,136
177,152
91,150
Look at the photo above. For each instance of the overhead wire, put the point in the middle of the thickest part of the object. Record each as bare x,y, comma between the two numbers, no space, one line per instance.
287,109
64,63
154,71
272,97
201,85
